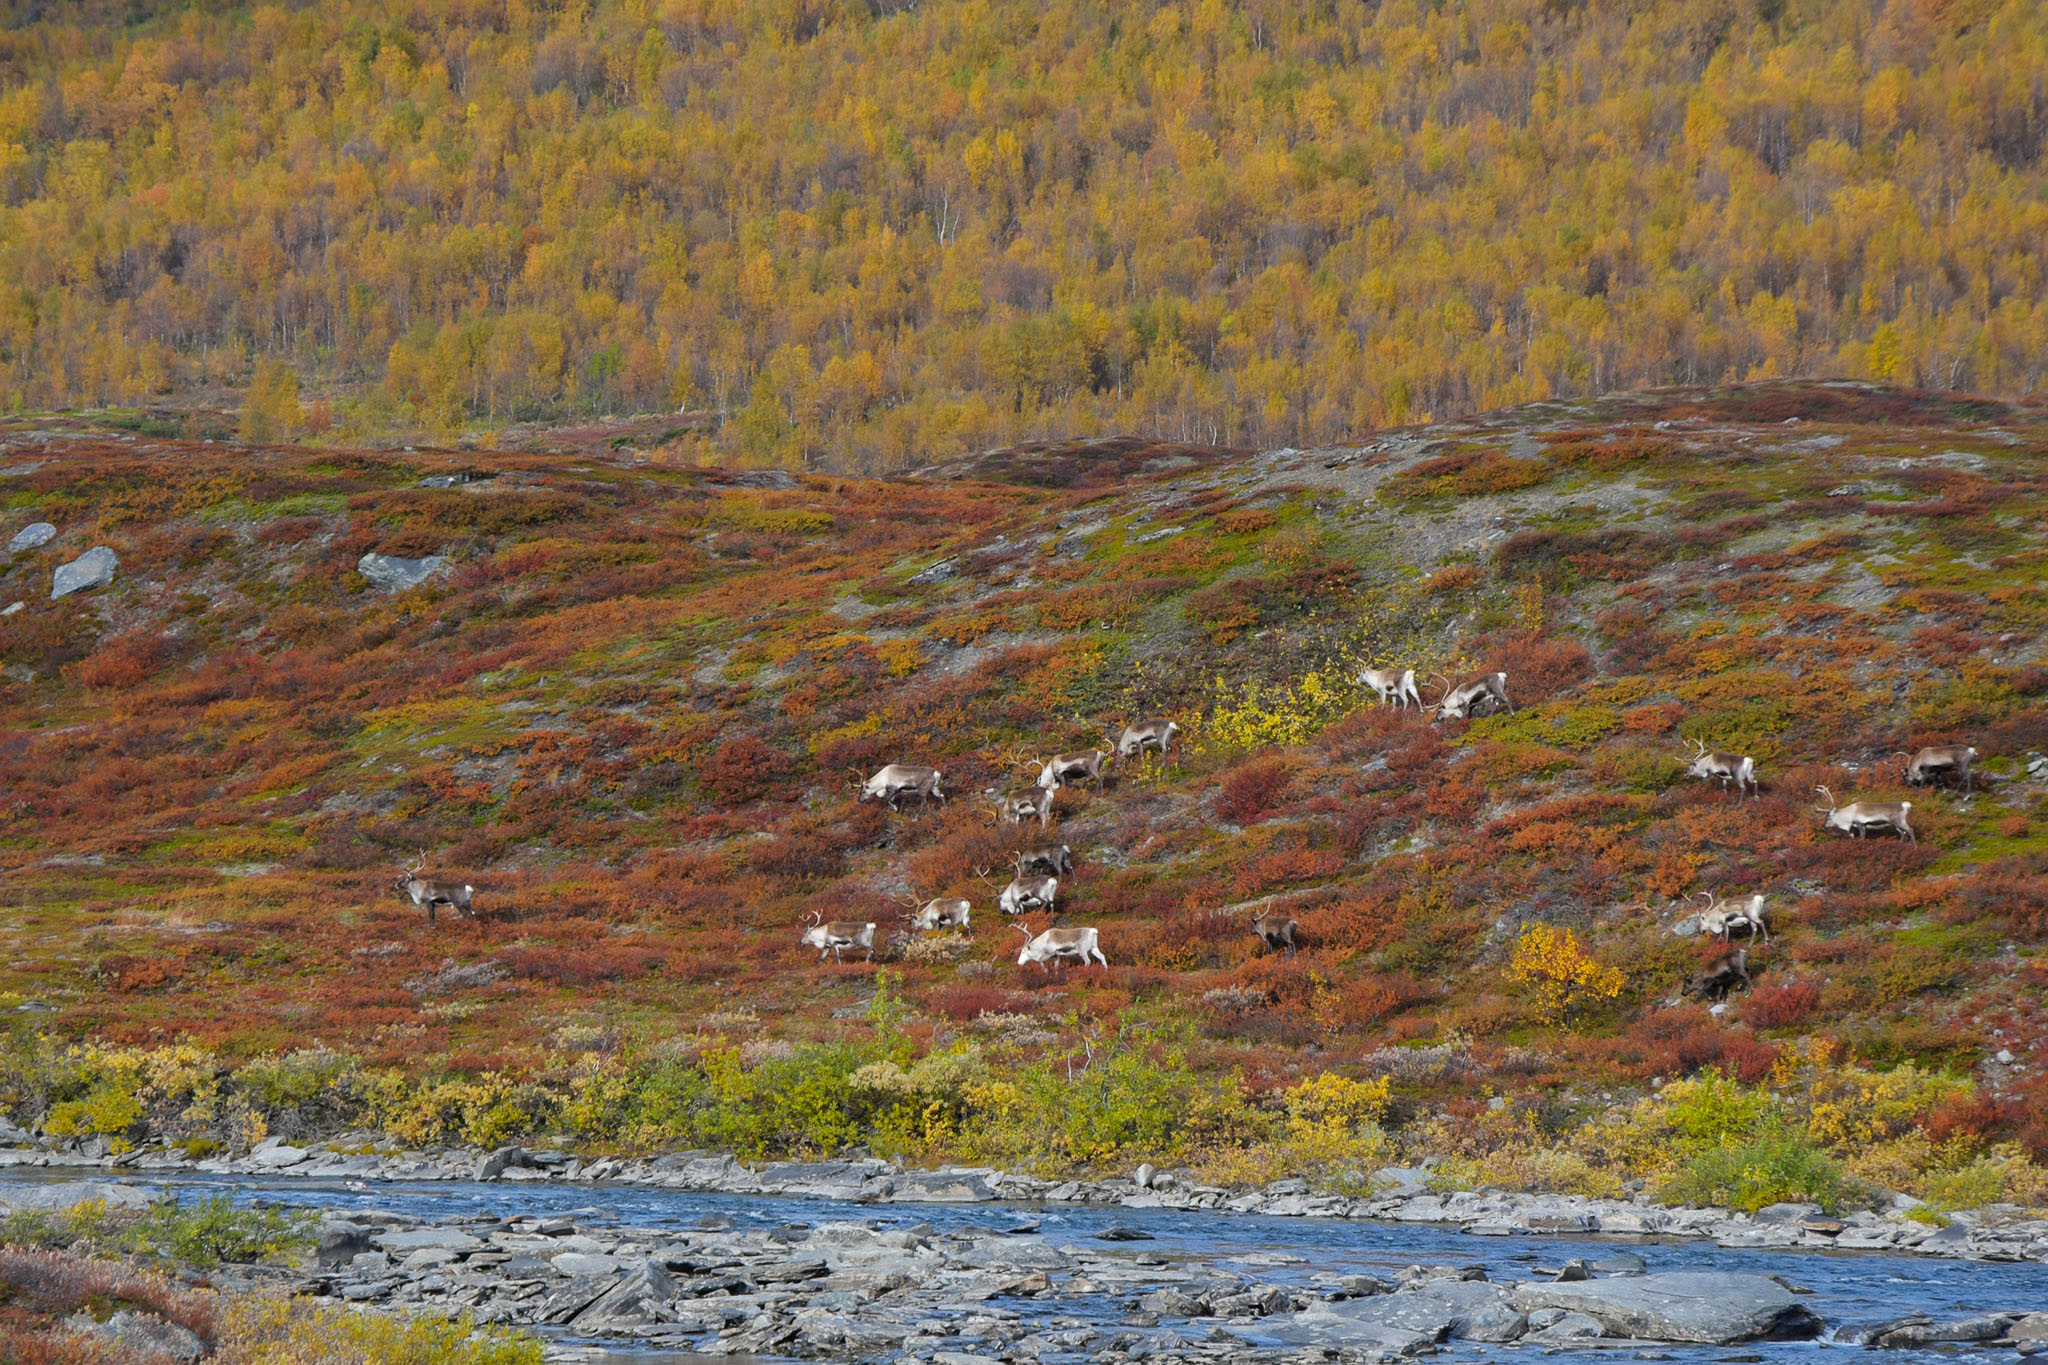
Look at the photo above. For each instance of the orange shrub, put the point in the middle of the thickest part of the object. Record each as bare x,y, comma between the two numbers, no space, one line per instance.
742,770
1253,789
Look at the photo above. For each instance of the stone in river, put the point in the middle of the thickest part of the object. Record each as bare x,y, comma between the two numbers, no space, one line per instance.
1714,1307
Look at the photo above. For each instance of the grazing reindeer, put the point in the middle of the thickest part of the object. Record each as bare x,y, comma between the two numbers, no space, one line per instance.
839,935
1063,770
1394,687
1024,893
1480,697
1017,807
428,892
1056,859
898,780
1718,976
1720,920
1728,769
1141,735
1277,931
1859,819
1937,761
940,913
1079,944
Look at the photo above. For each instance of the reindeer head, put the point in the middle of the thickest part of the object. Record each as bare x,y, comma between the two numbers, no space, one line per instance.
1828,809
410,870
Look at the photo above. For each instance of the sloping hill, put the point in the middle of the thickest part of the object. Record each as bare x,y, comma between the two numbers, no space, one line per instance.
627,711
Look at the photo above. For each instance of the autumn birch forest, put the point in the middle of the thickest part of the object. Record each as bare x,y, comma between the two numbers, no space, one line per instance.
867,234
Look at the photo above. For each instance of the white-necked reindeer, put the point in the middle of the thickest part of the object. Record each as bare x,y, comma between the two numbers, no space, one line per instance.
839,935
429,892
1937,761
1722,920
1480,697
1859,819
1024,893
1393,686
1730,770
944,912
1079,944
898,780
1014,808
1141,735
1064,770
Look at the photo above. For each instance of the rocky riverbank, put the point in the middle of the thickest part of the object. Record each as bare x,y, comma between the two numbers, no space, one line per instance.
1004,1292
1995,1233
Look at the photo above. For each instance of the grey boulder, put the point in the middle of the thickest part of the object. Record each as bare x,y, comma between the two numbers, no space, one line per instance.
28,537
140,1336
394,573
1411,1320
1711,1306
93,569
65,1194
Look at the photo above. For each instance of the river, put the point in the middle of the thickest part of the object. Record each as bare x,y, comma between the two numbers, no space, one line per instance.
1842,1287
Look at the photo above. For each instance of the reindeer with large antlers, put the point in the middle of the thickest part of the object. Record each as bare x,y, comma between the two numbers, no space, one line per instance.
1722,920
839,935
430,892
1860,819
1064,770
943,912
1730,770
1079,944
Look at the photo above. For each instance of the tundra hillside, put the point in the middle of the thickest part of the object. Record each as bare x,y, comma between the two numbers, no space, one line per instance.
633,709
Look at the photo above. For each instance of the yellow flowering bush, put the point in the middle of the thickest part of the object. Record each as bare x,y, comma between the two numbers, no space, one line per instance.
1560,973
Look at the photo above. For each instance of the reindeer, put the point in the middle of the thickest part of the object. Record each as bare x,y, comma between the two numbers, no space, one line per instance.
1079,944
1394,687
942,913
1056,859
1718,975
897,780
839,935
1063,770
1943,760
1015,808
1728,769
1860,819
429,892
1720,920
1024,893
1141,735
1480,697
1277,931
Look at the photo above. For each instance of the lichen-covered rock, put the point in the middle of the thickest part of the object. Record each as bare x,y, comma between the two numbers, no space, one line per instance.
394,573
30,536
93,569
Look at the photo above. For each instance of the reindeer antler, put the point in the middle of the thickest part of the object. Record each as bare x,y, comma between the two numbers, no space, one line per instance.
1023,929
1830,796
816,917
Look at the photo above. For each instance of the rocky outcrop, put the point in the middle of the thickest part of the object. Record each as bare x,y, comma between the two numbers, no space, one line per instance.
93,569
34,534
1715,1307
393,573
65,1194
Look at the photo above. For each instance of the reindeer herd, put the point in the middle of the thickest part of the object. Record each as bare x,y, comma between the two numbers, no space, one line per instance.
1034,884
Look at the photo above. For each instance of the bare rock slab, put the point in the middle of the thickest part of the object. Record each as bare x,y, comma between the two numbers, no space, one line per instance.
65,1194
30,536
1715,1307
93,569
394,573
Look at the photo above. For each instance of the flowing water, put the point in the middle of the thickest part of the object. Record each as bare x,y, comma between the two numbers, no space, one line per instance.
1844,1287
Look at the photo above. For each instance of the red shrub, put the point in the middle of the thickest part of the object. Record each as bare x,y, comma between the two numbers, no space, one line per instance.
1781,1006
563,968
1252,790
1747,1058
1287,866
741,770
1541,669
1978,1120
964,1004
124,661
